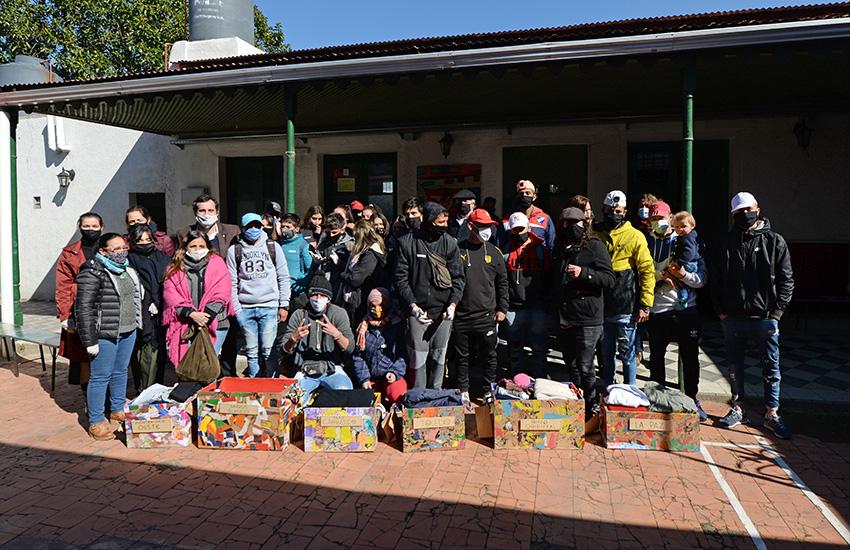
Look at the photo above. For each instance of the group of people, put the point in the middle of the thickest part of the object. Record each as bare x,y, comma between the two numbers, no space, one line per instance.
347,297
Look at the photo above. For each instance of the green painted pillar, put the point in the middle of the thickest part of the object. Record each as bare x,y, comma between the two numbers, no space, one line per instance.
289,106
16,264
688,88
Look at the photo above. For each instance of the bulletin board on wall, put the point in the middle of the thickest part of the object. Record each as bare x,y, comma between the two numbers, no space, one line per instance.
439,182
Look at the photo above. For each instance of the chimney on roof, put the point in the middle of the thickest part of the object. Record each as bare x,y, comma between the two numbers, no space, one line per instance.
217,28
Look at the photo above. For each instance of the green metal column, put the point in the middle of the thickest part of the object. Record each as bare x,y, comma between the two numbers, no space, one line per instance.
689,86
289,105
16,265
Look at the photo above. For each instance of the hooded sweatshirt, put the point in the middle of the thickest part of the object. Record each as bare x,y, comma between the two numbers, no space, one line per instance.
486,289
298,261
257,280
634,273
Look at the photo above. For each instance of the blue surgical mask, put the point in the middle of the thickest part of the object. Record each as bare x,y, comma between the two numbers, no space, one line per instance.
252,233
661,226
643,212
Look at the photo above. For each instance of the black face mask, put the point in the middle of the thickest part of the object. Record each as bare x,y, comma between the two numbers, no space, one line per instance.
522,237
90,236
745,220
612,220
573,233
144,249
464,208
437,229
523,203
413,223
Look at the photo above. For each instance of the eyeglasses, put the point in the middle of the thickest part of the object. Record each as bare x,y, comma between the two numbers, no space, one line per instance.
121,249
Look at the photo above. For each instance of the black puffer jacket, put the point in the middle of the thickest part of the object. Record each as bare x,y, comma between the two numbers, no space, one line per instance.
752,275
581,298
97,307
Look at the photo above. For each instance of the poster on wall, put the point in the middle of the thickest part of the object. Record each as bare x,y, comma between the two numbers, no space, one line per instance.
439,182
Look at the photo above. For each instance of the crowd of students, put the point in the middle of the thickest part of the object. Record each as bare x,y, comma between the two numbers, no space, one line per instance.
347,297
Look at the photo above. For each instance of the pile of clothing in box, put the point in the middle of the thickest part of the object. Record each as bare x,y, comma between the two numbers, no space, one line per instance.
523,387
653,397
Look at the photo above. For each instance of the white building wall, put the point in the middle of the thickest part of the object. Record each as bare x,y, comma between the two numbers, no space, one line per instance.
805,193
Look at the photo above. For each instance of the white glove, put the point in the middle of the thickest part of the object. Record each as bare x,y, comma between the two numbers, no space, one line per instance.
334,257
450,312
153,309
420,315
93,350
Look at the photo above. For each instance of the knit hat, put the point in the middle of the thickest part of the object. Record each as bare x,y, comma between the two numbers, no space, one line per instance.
320,285
379,295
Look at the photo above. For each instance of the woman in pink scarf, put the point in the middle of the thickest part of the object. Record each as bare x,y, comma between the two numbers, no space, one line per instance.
197,291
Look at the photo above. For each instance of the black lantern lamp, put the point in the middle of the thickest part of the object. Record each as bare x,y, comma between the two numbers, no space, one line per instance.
65,178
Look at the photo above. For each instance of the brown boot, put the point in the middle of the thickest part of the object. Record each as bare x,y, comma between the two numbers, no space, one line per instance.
117,416
101,431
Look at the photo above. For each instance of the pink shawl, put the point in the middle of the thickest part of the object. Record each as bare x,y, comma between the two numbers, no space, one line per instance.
176,294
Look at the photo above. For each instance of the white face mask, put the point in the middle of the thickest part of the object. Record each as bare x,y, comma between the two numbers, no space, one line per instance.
643,212
206,221
319,304
485,234
198,254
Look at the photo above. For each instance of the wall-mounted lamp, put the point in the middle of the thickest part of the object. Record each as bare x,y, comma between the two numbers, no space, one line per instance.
803,134
446,143
65,177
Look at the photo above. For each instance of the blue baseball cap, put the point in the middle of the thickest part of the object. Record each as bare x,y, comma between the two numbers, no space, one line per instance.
251,217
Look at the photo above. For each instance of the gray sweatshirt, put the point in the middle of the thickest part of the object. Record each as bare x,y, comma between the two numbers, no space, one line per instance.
257,281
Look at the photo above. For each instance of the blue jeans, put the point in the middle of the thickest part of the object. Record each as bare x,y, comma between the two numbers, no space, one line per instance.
338,380
259,327
220,335
527,326
619,340
684,292
765,334
109,369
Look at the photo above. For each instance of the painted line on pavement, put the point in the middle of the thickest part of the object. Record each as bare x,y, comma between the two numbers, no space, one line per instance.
836,523
729,445
733,500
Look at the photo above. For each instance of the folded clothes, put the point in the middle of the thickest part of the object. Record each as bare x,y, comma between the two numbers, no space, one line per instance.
156,393
510,385
550,389
184,391
505,393
422,397
626,395
664,399
326,398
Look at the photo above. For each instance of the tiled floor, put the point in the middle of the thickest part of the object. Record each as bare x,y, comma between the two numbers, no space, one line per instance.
60,489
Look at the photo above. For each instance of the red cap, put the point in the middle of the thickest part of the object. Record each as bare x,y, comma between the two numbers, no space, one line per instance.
356,206
659,208
480,216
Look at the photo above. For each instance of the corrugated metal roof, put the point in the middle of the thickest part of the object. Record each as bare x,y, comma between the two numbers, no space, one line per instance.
601,30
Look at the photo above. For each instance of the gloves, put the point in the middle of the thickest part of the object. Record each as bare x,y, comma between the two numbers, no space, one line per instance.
93,350
450,313
420,315
153,309
334,257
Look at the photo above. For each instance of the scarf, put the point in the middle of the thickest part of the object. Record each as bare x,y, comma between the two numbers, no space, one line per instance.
114,267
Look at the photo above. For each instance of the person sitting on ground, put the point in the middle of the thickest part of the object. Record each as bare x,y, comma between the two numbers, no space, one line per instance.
379,354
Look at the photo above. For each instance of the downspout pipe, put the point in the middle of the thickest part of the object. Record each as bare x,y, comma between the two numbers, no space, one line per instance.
10,279
688,89
289,106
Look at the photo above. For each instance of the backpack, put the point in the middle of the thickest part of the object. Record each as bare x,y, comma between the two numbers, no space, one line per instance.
269,245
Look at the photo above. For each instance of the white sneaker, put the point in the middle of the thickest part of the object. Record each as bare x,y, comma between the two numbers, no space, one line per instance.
464,396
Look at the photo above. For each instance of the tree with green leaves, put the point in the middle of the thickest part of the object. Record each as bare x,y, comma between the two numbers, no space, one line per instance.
86,39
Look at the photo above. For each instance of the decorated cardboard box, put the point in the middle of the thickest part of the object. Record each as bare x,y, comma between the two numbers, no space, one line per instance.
433,428
628,428
341,429
245,413
154,425
538,424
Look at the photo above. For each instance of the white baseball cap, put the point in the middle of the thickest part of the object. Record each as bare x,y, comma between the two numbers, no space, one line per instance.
743,200
615,198
517,219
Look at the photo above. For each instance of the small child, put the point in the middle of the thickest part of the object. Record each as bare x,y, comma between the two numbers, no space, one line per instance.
379,353
685,252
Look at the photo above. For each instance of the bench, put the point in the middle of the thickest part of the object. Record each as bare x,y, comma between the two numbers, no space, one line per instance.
41,338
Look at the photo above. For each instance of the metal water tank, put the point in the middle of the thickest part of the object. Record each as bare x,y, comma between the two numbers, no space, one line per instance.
25,70
221,19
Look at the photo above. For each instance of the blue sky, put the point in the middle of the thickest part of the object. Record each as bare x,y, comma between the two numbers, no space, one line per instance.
316,23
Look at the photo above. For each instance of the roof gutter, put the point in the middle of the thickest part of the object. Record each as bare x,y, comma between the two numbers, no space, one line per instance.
452,60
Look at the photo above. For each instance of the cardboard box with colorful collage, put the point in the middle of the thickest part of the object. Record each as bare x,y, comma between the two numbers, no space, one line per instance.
156,425
537,424
628,428
341,429
433,429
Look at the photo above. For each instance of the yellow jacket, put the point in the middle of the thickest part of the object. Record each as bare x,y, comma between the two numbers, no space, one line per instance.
630,257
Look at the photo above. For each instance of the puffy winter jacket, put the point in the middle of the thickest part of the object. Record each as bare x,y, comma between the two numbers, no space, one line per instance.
364,272
581,298
634,273
384,353
752,274
98,308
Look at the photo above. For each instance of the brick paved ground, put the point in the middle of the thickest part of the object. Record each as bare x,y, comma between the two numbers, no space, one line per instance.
59,489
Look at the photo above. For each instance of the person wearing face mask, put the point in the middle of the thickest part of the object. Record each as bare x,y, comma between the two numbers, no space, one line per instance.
318,340
311,227
528,263
483,305
629,300
641,219
220,235
752,286
379,361
429,280
539,221
584,274
333,250
147,364
381,225
196,291
108,310
271,220
138,214
299,261
261,293
463,203
68,267
365,270
667,322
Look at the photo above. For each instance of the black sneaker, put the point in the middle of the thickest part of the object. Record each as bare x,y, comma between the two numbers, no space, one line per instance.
732,418
775,424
